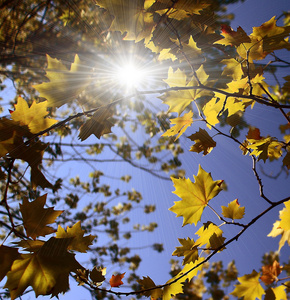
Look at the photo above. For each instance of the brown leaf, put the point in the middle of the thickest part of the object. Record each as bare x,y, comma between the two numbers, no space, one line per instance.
7,257
270,272
36,217
98,124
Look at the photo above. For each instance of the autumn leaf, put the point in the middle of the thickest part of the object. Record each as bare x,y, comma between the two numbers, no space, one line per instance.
98,124
231,37
64,85
249,287
276,293
270,273
210,235
188,250
148,283
97,275
233,210
35,116
36,217
203,142
233,68
181,124
31,245
194,196
179,100
7,256
116,280
79,242
46,271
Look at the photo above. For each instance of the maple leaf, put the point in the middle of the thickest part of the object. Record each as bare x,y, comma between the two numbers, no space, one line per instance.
7,256
36,217
31,245
64,85
194,196
181,124
203,142
252,50
97,275
273,37
98,124
116,280
276,293
46,270
132,19
179,100
249,287
188,250
210,235
231,37
148,283
233,68
233,210
34,116
270,272
79,242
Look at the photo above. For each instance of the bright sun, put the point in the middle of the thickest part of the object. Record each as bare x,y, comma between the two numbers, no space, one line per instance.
129,76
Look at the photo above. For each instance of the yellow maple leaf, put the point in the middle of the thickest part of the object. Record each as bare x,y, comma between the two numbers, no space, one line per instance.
249,287
233,68
188,250
181,124
231,37
34,116
194,196
79,242
203,142
64,85
273,37
210,235
233,210
36,217
278,291
179,100
46,270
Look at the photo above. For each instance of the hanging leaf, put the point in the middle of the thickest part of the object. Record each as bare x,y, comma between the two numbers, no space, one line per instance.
64,85
36,217
148,283
46,271
233,38
194,196
98,124
203,142
97,275
249,287
35,116
270,273
233,210
188,250
116,280
181,124
79,242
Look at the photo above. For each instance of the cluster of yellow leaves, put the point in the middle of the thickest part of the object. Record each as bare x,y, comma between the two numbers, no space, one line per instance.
47,266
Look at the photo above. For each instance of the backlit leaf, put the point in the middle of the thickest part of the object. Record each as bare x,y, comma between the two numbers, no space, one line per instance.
203,142
210,235
148,283
46,271
116,280
188,250
36,217
98,124
233,38
181,124
7,256
79,242
270,273
64,85
233,210
34,116
233,68
194,196
249,287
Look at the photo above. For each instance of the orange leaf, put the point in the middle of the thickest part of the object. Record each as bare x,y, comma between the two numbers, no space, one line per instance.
270,272
116,280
